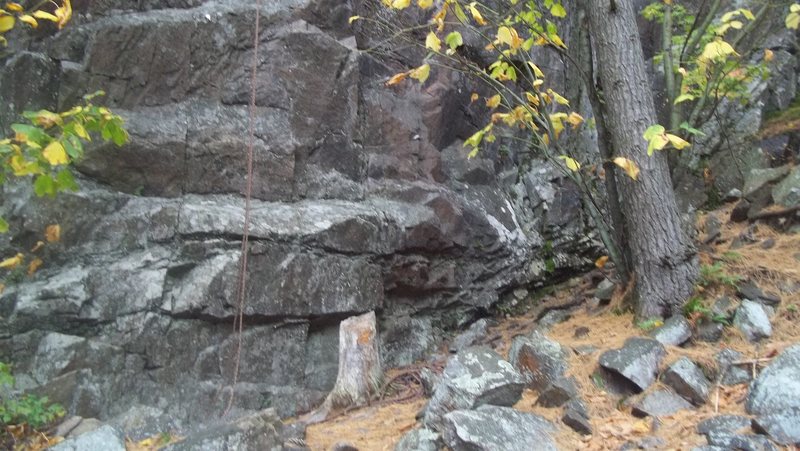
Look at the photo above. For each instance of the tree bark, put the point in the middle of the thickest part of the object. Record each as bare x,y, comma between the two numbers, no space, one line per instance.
360,370
663,259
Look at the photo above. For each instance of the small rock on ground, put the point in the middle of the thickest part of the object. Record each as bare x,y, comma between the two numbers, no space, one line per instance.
492,428
637,361
473,377
660,403
752,320
688,380
675,331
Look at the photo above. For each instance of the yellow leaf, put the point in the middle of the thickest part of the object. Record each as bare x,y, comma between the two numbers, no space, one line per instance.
47,119
22,167
628,166
601,262
793,19
493,101
55,154
556,39
398,78
64,13
438,19
81,132
12,262
476,14
421,73
52,233
15,7
2,288
572,164
575,119
6,23
433,42
510,37
769,55
532,99
657,142
536,71
401,4
353,19
425,4
37,247
44,15
28,19
474,97
557,97
34,265
683,98
717,49
677,142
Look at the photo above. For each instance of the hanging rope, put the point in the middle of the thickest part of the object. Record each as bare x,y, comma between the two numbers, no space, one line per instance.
238,321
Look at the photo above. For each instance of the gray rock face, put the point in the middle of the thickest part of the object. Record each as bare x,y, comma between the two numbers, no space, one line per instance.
749,290
723,423
660,403
783,427
472,336
605,290
495,428
541,361
472,378
708,331
787,192
759,178
728,440
363,199
777,388
688,380
730,374
675,331
104,438
251,433
637,361
576,417
752,320
420,440
558,392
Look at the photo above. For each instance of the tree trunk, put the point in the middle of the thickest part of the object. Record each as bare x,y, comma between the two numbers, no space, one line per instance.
360,371
663,259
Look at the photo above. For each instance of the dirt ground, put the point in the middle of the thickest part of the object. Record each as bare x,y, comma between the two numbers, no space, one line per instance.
777,269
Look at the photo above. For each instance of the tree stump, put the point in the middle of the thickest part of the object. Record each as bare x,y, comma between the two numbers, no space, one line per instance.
360,371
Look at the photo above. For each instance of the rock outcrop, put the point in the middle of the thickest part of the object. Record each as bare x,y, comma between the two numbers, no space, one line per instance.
363,200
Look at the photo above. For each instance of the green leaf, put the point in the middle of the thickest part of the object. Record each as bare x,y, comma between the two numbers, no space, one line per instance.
654,130
44,185
3,229
558,11
74,147
683,98
66,181
454,40
32,133
691,130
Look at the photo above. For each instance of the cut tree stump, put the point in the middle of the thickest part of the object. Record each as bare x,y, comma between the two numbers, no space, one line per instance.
360,372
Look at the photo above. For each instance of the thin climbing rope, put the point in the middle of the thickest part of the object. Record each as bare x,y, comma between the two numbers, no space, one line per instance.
238,321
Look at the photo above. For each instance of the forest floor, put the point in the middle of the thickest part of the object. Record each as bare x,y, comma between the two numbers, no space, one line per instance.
380,426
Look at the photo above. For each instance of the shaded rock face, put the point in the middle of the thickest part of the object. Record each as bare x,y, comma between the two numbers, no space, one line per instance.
363,201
